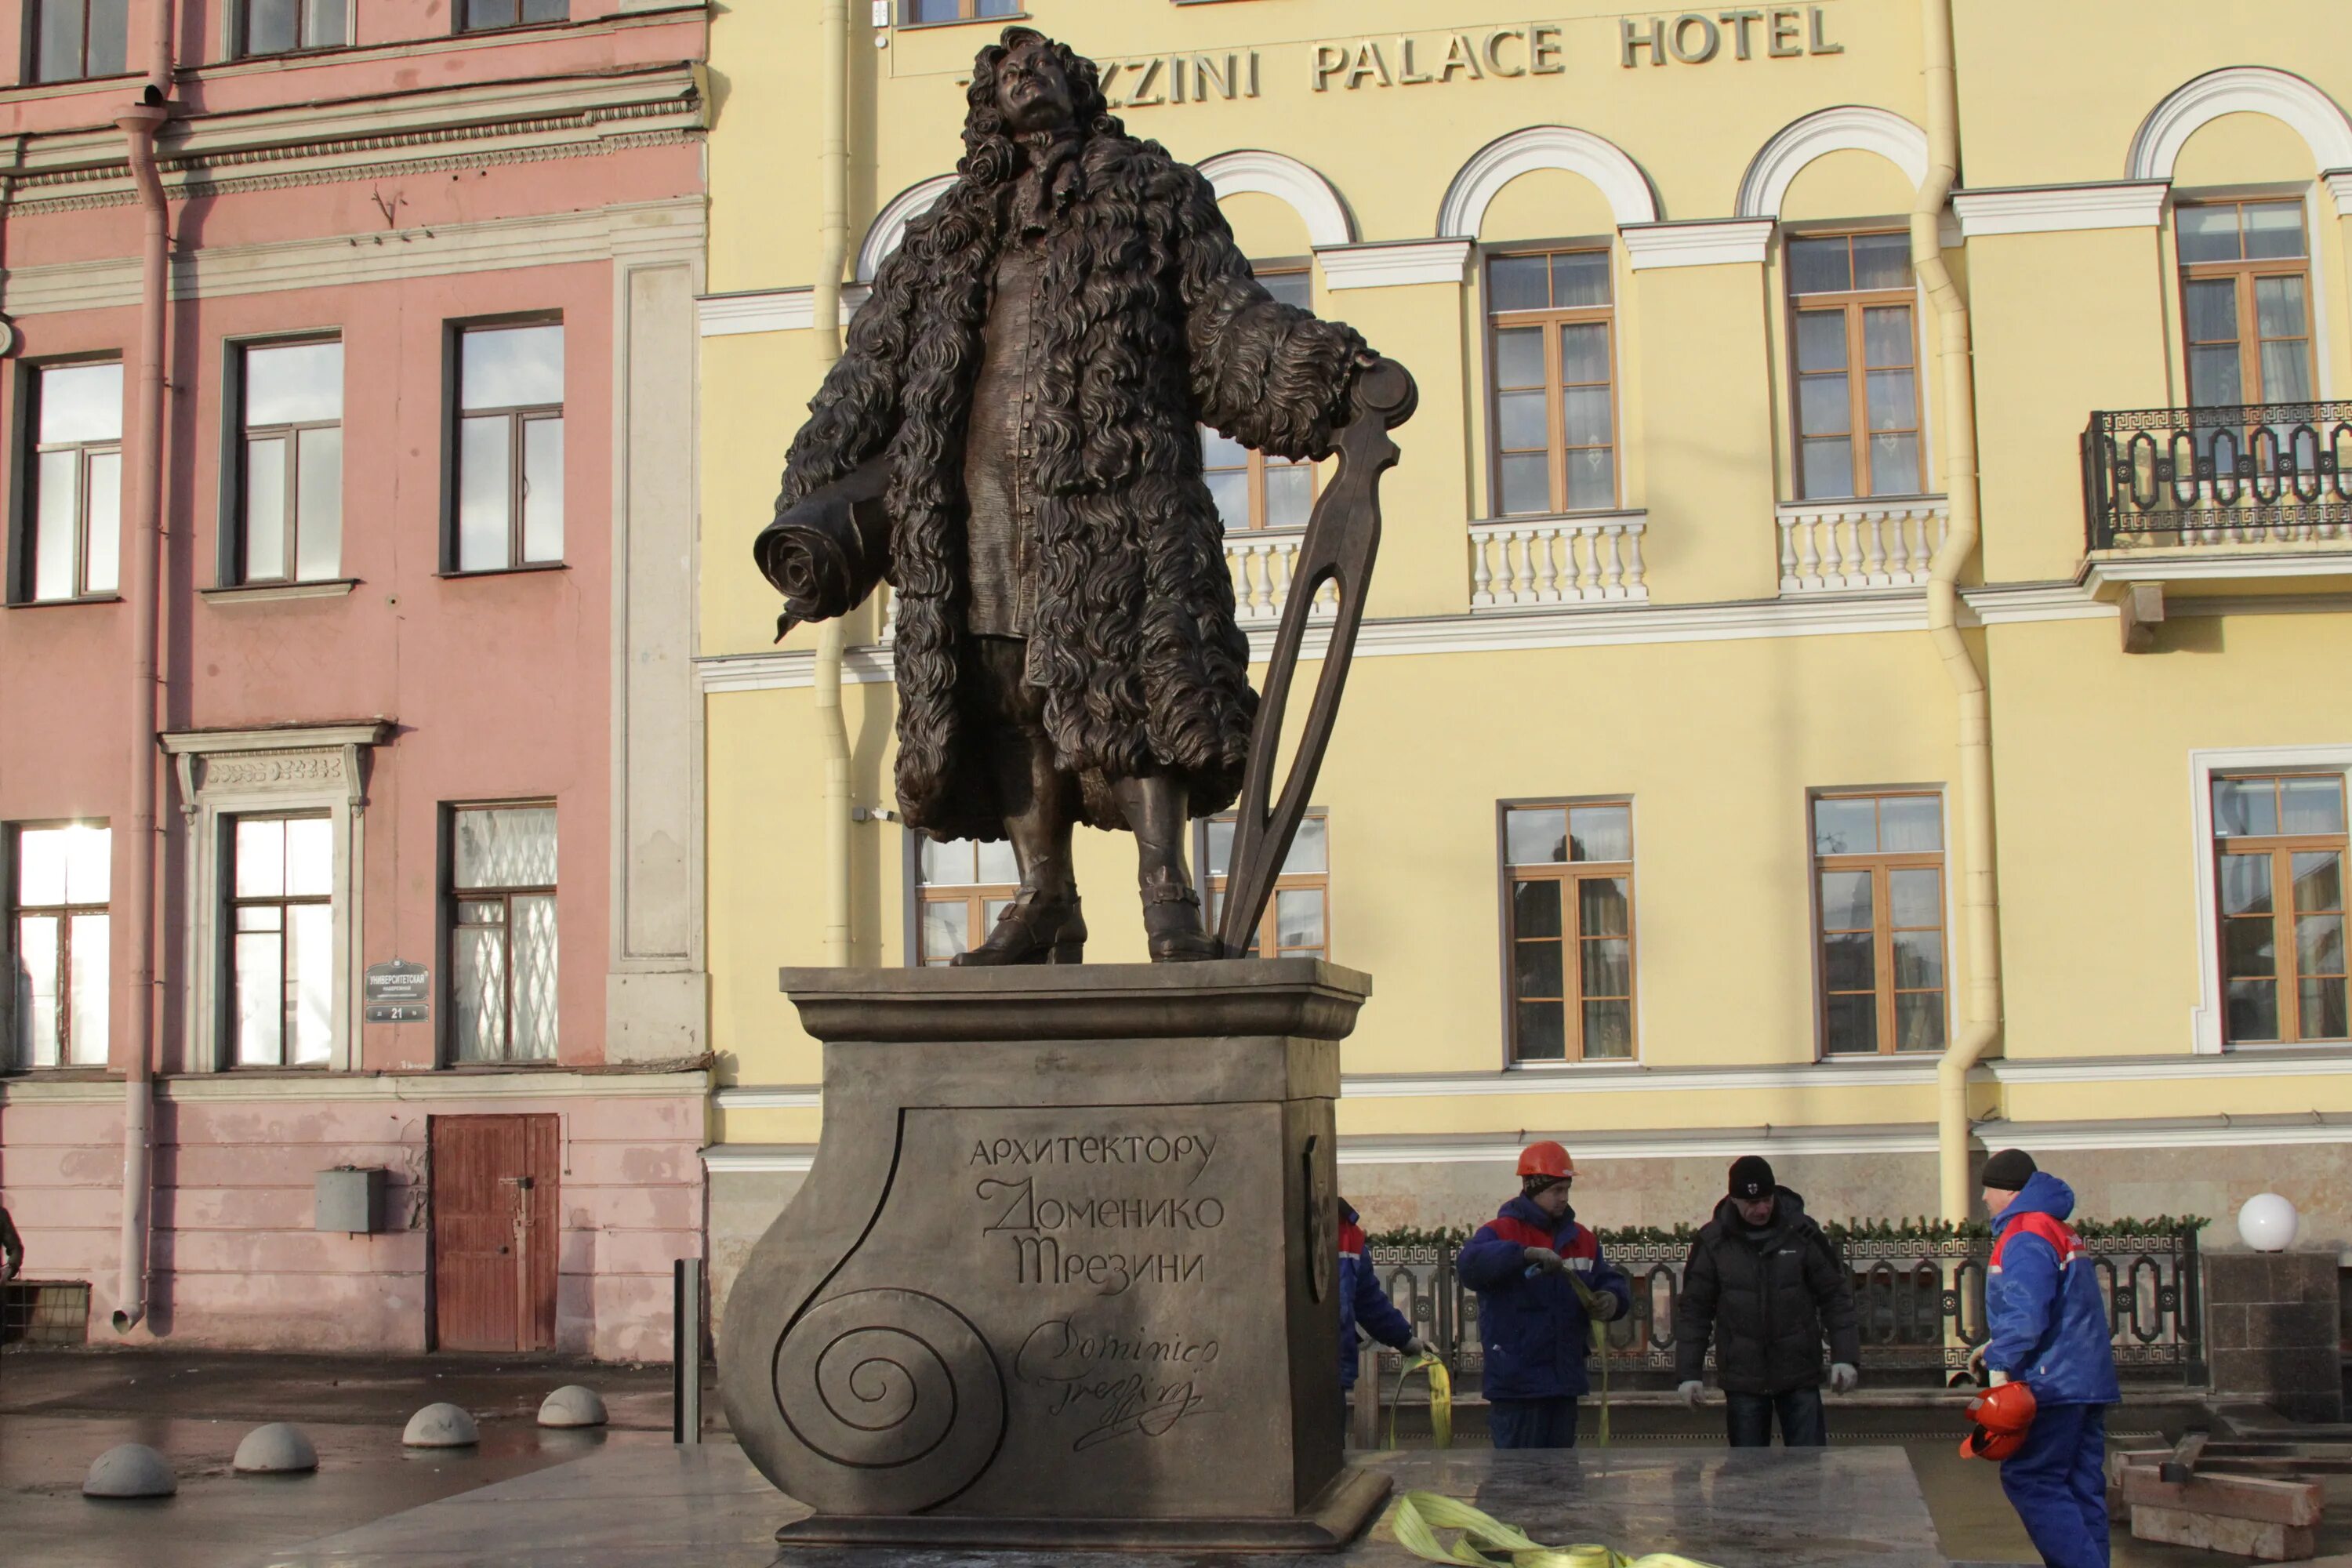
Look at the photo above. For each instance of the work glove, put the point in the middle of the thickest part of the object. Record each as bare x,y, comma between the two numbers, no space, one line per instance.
1845,1377
1544,1259
1414,1347
1606,1308
1996,1378
1691,1391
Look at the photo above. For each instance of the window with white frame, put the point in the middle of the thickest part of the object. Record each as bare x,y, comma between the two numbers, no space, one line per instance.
287,26
1568,929
59,935
961,886
74,510
2279,848
281,886
502,935
509,457
291,462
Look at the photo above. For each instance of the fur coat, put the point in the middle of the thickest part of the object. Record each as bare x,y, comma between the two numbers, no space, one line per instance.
1151,324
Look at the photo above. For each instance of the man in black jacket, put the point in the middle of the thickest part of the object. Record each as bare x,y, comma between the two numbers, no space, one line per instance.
1764,1282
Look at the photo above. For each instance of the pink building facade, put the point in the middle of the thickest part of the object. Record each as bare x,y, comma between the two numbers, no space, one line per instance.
422,699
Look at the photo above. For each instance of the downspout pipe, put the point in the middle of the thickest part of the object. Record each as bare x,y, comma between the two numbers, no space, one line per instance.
833,252
1979,906
143,558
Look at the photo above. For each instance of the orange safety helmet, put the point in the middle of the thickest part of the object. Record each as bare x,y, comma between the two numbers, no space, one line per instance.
1545,1159
2001,1417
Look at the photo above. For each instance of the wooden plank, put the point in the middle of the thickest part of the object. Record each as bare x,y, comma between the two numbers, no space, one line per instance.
2257,1498
2271,1542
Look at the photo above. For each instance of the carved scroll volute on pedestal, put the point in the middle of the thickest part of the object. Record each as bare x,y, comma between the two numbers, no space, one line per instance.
1342,539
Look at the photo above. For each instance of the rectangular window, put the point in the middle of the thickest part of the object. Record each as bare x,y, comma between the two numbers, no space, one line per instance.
2245,302
1253,491
285,27
1856,347
73,513
1554,355
914,13
59,941
961,886
509,447
2279,840
480,15
1570,944
502,963
290,463
1878,869
75,39
1297,919
282,940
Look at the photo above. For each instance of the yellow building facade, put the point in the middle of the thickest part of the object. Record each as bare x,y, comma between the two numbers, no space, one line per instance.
1651,806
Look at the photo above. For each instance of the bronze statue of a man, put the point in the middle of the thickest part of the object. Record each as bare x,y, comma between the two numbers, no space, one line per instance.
1011,437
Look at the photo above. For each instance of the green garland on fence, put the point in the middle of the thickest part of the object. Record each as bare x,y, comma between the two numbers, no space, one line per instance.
1919,1229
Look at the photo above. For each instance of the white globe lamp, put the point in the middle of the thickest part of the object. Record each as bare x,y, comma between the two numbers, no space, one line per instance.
2268,1223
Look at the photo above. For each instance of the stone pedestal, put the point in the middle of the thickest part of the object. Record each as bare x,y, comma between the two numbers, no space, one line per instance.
1064,1272
2273,1325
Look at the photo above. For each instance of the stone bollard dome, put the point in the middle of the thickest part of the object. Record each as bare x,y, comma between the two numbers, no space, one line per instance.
134,1470
573,1404
441,1426
277,1449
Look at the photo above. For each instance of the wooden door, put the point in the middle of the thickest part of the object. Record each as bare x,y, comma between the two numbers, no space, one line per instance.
494,1224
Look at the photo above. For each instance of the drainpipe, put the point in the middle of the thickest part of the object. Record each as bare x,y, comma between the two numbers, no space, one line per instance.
1980,908
832,250
143,556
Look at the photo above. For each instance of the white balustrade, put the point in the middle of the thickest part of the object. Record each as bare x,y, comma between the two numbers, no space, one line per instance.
1263,562
1832,546
1557,561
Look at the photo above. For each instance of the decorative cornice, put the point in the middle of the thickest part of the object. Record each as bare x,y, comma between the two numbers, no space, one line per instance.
241,1087
770,311
2108,577
1618,179
2283,95
770,1097
279,738
2287,1061
760,1159
1705,242
1850,127
1499,630
1385,264
2050,209
2012,604
1302,189
2339,185
541,239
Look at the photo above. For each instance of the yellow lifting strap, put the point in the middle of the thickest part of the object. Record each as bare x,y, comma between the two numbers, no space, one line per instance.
1600,1331
1440,1399
1486,1542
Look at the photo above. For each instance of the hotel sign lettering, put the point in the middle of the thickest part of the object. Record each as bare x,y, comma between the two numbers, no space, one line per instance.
1478,54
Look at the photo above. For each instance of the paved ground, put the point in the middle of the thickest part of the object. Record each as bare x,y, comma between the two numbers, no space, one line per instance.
59,1410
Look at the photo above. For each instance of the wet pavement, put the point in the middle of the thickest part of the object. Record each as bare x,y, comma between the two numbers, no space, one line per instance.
373,1504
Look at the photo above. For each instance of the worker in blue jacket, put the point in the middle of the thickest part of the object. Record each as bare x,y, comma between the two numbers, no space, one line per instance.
1364,1304
1535,1269
2047,1317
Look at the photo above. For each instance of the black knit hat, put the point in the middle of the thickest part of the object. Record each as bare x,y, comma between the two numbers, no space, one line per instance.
1751,1177
2009,1169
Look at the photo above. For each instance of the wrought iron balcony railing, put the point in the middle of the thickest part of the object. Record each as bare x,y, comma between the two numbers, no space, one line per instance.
2263,473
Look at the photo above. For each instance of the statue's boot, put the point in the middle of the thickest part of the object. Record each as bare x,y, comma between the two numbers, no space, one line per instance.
1172,922
1033,929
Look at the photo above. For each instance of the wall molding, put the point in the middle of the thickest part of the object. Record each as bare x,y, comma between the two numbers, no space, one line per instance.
758,1159
1388,264
1849,128
1704,242
2301,107
2053,209
2339,185
313,1086
1475,187
770,1097
671,224
1299,186
770,311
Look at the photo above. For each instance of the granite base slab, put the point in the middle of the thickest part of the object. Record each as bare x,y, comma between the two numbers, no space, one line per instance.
707,1508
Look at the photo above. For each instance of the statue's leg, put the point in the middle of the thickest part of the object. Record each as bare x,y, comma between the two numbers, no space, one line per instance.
1043,924
1154,808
